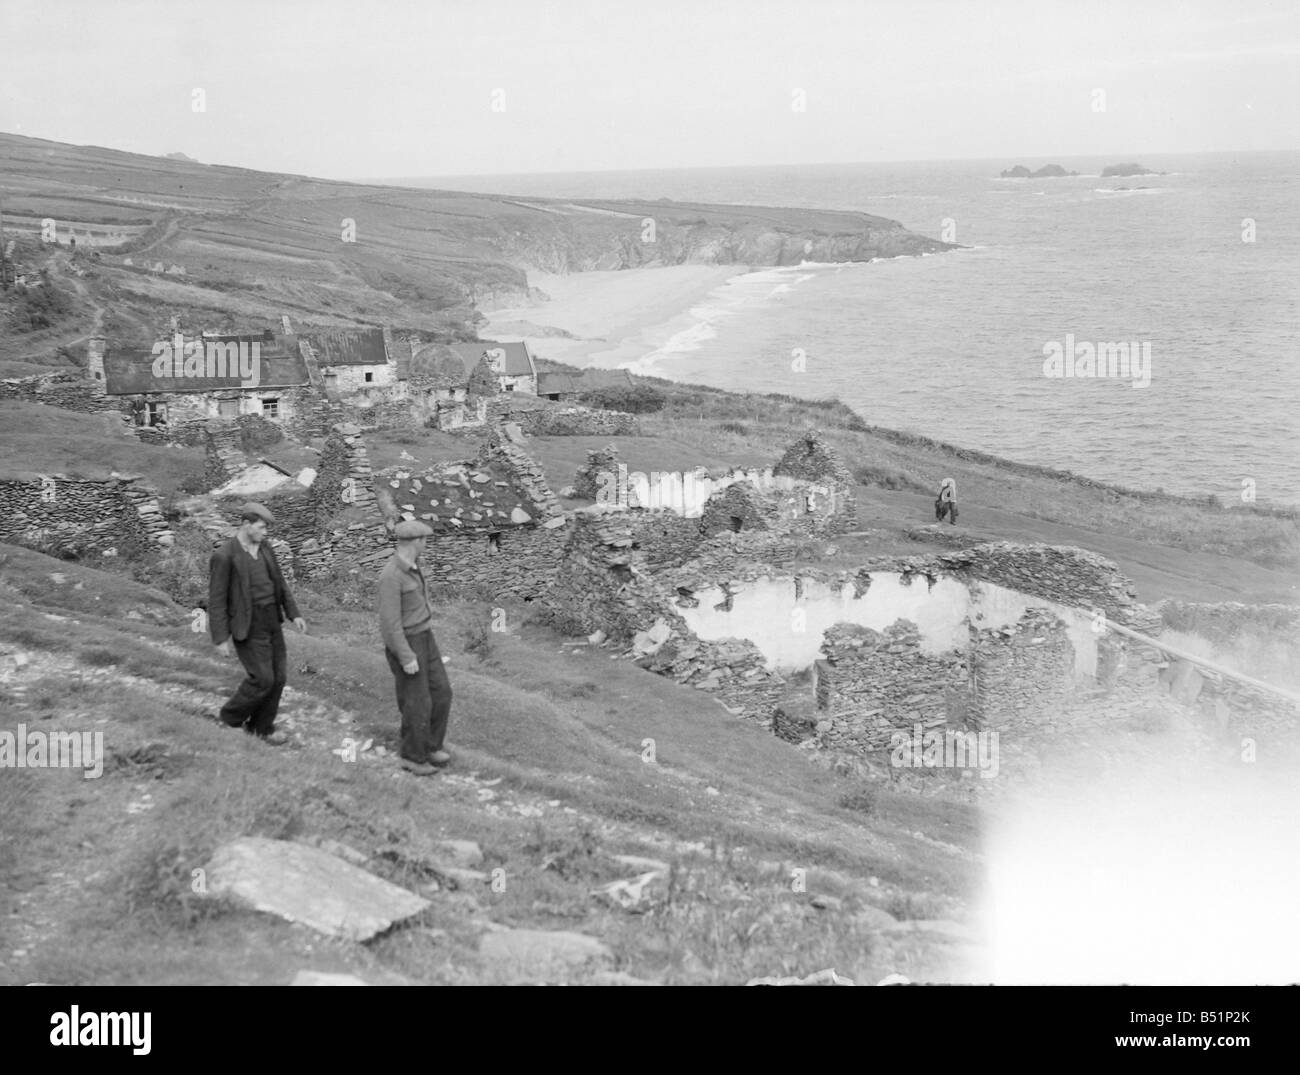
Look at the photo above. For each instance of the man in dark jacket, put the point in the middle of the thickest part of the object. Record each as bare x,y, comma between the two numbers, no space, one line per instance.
247,602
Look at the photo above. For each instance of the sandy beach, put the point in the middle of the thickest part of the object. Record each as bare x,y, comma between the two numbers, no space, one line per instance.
616,317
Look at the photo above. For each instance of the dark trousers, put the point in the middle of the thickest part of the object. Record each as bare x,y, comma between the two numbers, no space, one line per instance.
423,698
263,656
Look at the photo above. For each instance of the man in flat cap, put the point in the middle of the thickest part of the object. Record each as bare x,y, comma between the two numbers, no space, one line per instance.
406,624
247,602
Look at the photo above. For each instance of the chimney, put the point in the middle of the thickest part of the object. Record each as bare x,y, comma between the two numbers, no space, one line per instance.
95,362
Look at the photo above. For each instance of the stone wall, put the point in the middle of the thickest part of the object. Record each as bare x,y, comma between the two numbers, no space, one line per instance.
872,684
454,416
344,478
518,563
588,483
602,581
1059,573
733,668
664,537
68,389
396,413
812,459
223,450
1021,673
739,507
562,421
527,470
71,515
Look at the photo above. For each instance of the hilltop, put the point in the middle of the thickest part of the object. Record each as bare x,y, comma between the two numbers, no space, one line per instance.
157,236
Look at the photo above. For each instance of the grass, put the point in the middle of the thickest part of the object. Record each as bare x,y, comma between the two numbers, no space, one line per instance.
105,869
90,445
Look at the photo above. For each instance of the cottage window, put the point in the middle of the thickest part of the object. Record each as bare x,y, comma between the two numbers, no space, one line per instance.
370,376
228,408
271,408
494,543
331,381
155,414
736,523
510,388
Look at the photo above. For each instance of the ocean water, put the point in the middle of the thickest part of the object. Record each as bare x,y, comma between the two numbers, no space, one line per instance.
954,345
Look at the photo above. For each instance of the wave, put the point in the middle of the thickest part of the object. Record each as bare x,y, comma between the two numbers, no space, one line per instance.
744,291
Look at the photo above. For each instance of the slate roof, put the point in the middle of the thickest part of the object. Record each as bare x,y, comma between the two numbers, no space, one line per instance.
479,498
129,371
518,362
550,383
348,347
600,378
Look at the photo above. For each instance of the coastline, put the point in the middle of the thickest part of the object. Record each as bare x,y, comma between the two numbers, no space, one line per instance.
616,317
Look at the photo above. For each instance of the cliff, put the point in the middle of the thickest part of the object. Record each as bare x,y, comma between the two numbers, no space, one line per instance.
262,244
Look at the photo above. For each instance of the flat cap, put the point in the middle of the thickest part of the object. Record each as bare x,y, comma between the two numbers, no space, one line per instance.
254,508
411,528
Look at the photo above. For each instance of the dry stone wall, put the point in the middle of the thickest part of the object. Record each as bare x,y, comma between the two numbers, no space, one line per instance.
516,563
739,507
561,421
68,389
812,459
1021,673
72,515
872,684
1059,573
588,483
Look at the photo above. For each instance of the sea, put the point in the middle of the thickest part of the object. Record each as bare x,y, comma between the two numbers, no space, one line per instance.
1197,269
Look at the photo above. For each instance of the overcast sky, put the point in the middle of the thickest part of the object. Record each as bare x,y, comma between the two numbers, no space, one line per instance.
437,87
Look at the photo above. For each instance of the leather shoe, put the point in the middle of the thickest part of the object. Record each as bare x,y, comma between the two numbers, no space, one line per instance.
418,768
439,757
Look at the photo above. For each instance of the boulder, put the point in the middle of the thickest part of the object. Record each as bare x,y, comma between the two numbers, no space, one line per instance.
307,885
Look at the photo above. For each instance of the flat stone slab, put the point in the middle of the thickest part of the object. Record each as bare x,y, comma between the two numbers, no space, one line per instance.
541,954
307,885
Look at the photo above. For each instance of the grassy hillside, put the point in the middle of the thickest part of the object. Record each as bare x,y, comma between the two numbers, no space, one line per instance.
549,780
249,246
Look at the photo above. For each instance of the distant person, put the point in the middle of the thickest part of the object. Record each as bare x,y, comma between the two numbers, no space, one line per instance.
946,505
247,602
406,624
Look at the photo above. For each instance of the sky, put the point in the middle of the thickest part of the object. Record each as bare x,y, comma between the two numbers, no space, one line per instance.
406,88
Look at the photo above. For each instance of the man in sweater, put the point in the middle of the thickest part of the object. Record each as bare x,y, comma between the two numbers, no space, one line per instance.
247,602
406,624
